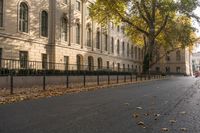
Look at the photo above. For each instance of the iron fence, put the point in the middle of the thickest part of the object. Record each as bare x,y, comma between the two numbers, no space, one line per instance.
44,73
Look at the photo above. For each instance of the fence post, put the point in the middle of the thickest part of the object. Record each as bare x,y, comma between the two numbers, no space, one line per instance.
11,82
84,80
67,80
98,78
44,80
108,77
125,78
136,77
117,78
131,77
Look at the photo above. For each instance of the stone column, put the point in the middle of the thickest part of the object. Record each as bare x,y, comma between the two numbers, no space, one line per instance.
52,32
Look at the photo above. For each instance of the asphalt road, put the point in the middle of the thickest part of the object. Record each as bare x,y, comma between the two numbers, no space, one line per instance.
113,110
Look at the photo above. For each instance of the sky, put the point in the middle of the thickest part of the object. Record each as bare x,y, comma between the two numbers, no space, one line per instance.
197,11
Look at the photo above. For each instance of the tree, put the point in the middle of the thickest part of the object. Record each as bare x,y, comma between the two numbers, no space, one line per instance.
150,23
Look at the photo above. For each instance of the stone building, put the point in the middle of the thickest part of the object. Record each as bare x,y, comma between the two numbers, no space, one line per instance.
196,61
40,33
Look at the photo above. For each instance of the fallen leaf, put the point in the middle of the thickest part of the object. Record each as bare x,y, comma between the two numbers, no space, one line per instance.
140,123
140,108
157,115
172,121
183,112
146,114
164,129
135,115
183,129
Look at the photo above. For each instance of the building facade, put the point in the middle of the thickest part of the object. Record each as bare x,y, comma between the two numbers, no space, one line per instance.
61,31
196,61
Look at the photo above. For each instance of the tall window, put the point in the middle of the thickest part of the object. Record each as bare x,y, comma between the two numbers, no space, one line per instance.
78,5
78,32
1,13
66,62
79,62
132,55
65,1
178,55
44,24
139,52
100,63
167,69
118,28
118,47
23,17
108,65
44,61
118,66
98,40
136,53
128,49
89,37
123,48
23,57
106,42
64,29
178,69
112,44
167,57
90,63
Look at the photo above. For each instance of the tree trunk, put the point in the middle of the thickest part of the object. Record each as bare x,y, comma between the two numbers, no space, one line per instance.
148,55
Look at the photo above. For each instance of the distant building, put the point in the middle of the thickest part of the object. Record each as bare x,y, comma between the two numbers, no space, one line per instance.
176,62
196,61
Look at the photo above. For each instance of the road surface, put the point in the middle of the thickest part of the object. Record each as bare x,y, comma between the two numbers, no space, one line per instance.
170,105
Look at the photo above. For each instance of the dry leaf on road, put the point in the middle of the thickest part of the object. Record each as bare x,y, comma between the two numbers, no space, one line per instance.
164,129
140,108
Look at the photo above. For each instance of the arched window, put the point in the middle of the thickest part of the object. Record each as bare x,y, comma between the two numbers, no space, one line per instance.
79,62
118,47
89,37
112,45
178,55
78,32
1,13
90,63
64,29
98,40
23,17
100,63
44,24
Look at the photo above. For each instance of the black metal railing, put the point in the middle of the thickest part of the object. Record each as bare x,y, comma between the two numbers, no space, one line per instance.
14,70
